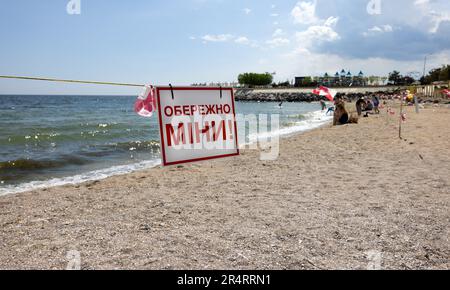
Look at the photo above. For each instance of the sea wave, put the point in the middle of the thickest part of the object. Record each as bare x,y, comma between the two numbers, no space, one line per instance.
134,145
102,150
30,164
62,134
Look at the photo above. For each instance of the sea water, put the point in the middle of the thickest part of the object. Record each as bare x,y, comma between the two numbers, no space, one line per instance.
56,140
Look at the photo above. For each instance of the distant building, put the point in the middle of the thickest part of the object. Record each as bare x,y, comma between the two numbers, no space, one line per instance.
342,79
299,81
360,80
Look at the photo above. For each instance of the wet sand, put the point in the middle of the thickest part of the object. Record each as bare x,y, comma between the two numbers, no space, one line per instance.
334,196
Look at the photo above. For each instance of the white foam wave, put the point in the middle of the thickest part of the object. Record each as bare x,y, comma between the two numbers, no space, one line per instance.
313,120
85,177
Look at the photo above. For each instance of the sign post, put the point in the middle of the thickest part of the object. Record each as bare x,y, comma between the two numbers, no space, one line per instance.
196,124
402,96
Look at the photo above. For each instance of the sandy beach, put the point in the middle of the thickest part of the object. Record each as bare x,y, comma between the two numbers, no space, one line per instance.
334,196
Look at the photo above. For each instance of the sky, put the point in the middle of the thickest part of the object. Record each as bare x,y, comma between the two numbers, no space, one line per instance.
189,41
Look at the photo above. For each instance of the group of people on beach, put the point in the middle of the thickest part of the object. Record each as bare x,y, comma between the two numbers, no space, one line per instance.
363,105
369,106
366,105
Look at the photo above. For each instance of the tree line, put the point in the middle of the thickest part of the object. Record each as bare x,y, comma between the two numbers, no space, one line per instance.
436,75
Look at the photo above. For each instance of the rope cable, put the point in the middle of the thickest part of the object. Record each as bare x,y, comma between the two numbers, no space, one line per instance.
71,81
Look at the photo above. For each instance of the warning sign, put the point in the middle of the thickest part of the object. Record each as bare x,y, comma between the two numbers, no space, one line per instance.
196,124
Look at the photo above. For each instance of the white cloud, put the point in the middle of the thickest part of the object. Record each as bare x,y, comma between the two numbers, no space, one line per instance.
274,15
278,41
375,29
273,6
331,21
276,23
242,40
192,37
319,31
305,13
245,41
316,34
247,11
421,2
278,32
378,30
387,28
217,38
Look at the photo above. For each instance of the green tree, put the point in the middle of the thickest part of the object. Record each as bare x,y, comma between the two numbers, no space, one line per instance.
437,74
373,79
444,74
395,78
255,79
408,80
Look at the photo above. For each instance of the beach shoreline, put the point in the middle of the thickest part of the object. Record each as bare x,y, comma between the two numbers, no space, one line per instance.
313,120
334,195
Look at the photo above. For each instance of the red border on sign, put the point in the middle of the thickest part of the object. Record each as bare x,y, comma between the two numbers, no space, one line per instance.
163,151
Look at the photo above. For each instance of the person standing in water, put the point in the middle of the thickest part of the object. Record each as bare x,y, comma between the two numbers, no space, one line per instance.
323,105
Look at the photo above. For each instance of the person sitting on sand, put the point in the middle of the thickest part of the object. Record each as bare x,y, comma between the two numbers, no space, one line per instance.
369,107
341,117
360,104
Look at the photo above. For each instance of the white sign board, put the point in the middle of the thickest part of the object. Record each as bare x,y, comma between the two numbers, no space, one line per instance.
196,124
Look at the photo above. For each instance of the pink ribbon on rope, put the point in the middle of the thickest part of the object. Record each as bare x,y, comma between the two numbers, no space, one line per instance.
145,104
403,116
